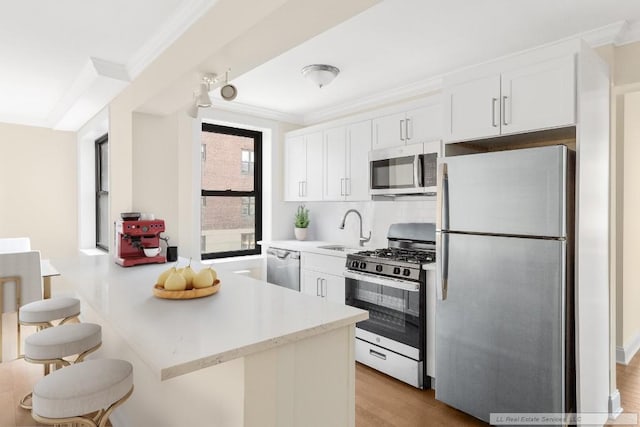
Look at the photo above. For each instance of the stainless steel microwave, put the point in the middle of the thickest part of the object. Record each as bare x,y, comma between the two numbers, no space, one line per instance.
407,169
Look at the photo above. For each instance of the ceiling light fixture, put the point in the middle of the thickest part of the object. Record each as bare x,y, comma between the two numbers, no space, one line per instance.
320,74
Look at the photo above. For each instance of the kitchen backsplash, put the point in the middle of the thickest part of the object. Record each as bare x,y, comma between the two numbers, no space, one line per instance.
376,216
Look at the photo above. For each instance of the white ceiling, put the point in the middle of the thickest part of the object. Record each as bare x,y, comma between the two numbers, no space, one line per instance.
63,61
400,46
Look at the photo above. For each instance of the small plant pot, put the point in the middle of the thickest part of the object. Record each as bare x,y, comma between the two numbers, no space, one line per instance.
301,233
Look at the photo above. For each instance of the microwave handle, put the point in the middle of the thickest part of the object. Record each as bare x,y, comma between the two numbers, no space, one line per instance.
417,170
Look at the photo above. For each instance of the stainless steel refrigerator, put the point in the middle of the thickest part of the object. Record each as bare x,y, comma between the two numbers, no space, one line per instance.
504,315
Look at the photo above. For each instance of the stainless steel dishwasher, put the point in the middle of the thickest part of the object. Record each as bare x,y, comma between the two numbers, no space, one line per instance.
283,268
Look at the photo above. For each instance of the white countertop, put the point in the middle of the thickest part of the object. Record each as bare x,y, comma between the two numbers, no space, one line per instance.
312,246
175,337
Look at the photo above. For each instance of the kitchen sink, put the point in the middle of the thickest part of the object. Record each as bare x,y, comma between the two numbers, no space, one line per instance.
339,248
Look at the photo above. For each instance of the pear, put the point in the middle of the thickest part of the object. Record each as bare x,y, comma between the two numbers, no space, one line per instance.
203,279
214,274
175,282
162,278
188,275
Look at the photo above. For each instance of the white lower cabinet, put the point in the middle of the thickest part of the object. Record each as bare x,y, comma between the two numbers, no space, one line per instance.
323,285
321,276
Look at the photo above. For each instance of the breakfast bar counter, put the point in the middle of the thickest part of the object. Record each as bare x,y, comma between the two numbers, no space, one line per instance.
251,354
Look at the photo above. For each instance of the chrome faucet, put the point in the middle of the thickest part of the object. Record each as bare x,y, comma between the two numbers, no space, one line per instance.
363,239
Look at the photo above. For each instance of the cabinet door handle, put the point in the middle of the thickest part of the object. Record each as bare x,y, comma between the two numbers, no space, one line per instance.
304,188
494,101
378,354
323,287
342,186
318,287
407,128
504,110
401,128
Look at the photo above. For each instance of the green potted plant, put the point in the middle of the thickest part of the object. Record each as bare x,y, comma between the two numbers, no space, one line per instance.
301,223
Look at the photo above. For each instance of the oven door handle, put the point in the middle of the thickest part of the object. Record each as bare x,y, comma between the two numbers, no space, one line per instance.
390,282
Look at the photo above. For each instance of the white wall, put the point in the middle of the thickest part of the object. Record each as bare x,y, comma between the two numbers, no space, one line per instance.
155,169
629,337
377,216
39,187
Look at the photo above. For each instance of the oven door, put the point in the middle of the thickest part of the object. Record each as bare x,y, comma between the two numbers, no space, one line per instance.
396,307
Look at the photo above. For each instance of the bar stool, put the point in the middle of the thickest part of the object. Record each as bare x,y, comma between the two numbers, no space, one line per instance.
74,394
42,312
50,346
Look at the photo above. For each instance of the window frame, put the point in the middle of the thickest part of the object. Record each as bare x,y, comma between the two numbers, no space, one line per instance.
99,192
256,193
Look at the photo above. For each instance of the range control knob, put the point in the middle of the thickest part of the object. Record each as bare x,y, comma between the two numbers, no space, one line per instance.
396,270
378,268
354,264
406,272
363,265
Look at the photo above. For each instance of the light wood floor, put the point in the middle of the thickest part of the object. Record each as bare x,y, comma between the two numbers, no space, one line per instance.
381,401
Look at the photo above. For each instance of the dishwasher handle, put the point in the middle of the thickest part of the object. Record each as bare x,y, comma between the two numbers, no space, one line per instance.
283,253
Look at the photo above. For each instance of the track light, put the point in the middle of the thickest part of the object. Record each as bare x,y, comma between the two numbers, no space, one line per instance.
228,92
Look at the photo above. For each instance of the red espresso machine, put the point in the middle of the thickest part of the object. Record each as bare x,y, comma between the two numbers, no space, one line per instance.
133,237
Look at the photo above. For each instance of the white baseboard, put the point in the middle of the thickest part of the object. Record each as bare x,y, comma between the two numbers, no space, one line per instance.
614,405
625,353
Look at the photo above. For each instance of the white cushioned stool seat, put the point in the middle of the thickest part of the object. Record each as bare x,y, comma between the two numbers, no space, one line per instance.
82,388
47,310
62,341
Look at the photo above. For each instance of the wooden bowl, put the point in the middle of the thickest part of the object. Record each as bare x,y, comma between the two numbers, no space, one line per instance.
160,292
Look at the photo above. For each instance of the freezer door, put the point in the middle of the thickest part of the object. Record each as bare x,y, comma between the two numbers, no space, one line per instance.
500,331
518,192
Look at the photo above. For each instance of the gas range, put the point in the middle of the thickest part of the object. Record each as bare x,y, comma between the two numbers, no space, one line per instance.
391,284
401,263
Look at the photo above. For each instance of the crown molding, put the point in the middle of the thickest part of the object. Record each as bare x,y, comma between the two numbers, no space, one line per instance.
629,34
396,94
602,35
618,34
252,110
181,20
111,69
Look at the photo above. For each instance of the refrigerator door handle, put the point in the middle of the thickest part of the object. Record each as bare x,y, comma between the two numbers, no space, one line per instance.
441,197
442,265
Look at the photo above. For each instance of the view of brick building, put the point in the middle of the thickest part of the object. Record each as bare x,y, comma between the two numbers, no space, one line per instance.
228,223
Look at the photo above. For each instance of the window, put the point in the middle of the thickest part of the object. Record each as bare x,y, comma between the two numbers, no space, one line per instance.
248,206
102,192
247,240
247,162
231,211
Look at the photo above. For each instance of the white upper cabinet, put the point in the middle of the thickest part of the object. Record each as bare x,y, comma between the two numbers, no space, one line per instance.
346,166
532,97
473,109
359,145
389,130
424,124
421,124
539,96
335,159
303,167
